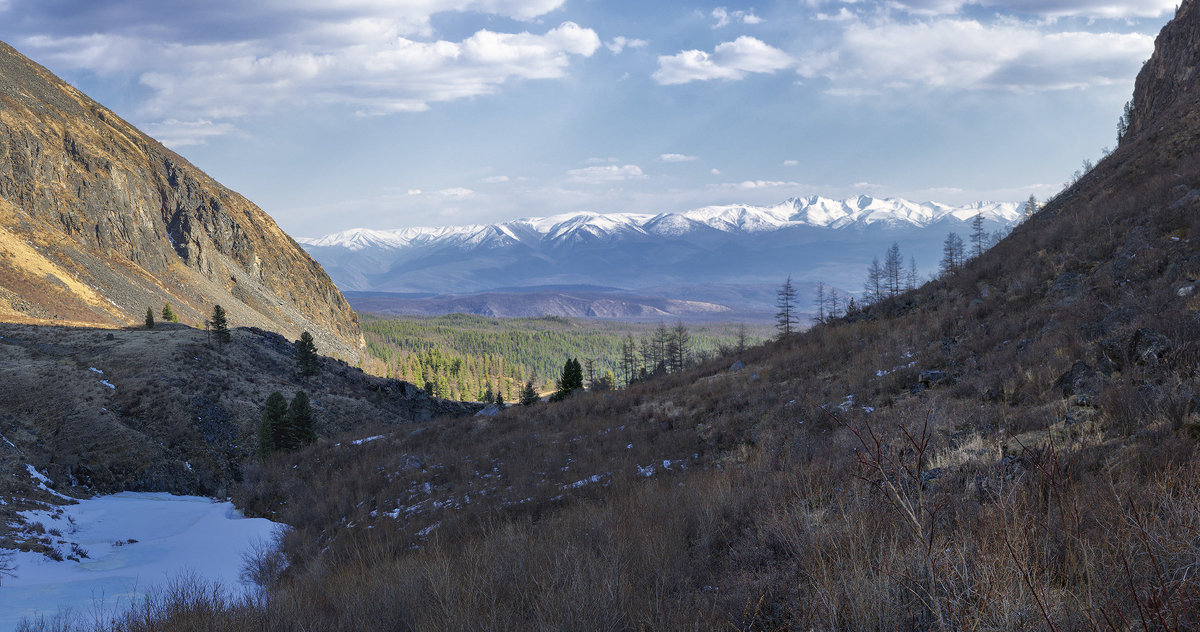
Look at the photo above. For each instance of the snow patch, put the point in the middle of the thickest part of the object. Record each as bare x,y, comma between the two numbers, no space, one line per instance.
366,440
162,537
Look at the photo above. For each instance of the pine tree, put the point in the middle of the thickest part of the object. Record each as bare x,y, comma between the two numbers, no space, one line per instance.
149,318
785,303
299,429
270,423
168,314
743,337
306,355
529,394
571,379
488,395
499,401
220,326
1031,207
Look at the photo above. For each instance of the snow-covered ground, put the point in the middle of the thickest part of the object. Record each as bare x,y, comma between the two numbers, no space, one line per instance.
135,543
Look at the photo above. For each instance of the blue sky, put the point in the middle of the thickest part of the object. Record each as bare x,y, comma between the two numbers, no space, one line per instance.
335,114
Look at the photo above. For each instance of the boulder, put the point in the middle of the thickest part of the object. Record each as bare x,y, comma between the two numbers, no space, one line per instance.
1081,381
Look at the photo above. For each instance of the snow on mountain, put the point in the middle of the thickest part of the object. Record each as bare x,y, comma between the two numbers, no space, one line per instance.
813,211
812,238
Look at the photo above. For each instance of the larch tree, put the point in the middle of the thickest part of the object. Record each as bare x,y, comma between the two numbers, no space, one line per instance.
978,235
893,270
873,286
952,254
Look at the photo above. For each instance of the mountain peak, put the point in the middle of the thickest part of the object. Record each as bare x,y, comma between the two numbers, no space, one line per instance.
98,221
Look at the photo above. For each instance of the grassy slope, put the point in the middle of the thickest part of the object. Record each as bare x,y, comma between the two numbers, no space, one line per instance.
1002,497
989,501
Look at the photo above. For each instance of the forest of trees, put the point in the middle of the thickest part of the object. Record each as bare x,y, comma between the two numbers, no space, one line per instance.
466,357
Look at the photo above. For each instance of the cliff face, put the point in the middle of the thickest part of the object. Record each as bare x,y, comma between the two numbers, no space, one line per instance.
1171,77
99,221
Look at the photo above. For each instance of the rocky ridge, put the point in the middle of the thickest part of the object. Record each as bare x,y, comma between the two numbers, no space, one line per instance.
98,221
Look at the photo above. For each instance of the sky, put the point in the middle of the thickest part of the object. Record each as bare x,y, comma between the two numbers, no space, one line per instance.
339,114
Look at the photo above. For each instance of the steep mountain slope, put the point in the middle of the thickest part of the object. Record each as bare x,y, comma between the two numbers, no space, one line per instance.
1011,447
98,222
813,239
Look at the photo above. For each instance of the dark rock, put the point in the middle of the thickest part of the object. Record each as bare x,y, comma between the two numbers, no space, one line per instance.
1080,380
1149,347
737,366
933,378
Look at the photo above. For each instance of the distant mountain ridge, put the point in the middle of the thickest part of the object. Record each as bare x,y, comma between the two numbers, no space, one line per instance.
812,239
812,211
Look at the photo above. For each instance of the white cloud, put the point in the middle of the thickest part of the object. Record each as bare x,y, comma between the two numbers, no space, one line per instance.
602,161
175,133
619,43
725,17
729,60
414,192
456,192
677,158
715,171
965,54
609,173
365,65
1123,9
747,185
791,163
843,15
495,179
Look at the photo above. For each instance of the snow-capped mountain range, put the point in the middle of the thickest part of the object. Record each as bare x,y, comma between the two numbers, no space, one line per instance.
813,211
811,239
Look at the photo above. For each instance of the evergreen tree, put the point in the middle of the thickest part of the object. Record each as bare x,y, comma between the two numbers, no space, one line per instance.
785,303
149,318
299,429
978,235
743,337
220,326
571,379
499,401
271,423
488,395
529,394
306,355
168,315
429,389
1031,207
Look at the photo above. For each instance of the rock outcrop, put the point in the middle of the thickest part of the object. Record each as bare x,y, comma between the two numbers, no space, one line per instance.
1172,75
98,221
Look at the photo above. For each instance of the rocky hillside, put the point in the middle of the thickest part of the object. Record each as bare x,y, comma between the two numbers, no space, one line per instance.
166,409
1171,78
98,221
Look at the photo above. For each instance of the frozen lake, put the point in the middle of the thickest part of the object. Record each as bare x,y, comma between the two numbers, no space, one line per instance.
174,536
